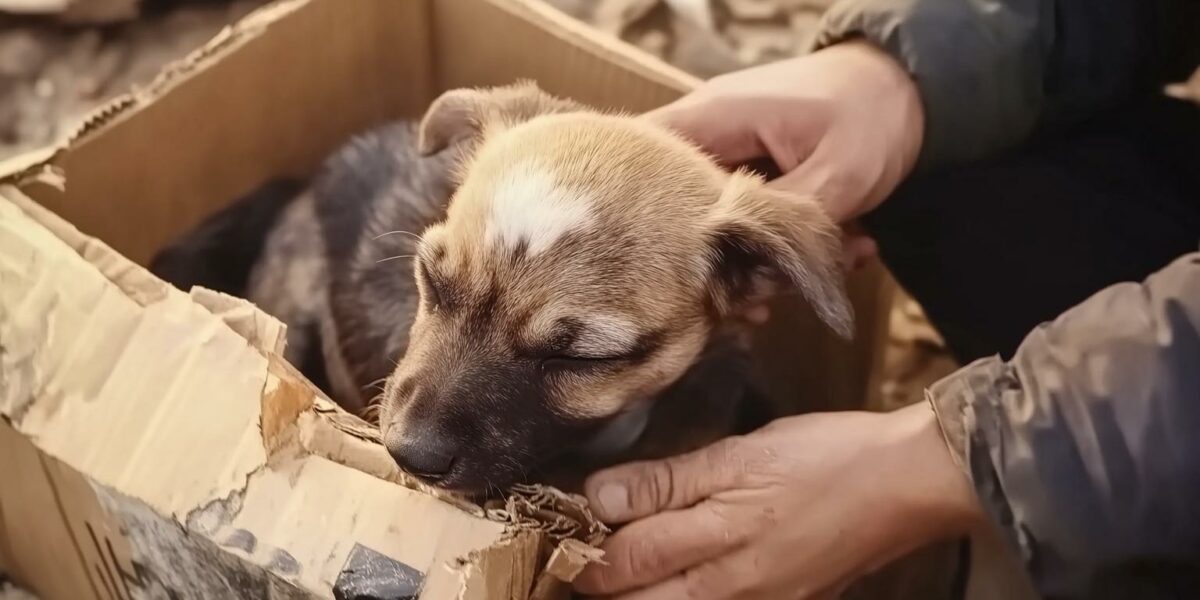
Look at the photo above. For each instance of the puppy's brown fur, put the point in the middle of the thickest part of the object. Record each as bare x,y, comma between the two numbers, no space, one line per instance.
586,264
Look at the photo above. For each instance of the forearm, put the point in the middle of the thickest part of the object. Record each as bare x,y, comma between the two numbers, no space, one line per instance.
1083,447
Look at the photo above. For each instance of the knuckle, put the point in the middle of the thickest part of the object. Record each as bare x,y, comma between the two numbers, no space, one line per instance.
652,487
711,582
733,530
643,557
727,460
665,489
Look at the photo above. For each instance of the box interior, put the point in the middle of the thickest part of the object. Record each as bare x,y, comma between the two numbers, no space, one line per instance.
252,106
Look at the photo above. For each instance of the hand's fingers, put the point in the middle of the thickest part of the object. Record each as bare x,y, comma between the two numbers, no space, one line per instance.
635,490
833,179
658,547
730,577
718,125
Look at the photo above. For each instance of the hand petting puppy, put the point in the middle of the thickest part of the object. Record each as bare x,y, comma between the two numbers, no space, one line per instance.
844,124
798,509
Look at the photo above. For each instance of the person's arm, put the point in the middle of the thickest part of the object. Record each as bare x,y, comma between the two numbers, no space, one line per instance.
991,71
1085,447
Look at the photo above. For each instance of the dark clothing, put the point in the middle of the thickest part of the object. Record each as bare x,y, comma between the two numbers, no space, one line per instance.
992,248
1084,447
993,73
1052,171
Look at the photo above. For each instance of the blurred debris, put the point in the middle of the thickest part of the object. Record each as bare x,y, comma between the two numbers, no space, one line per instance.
51,76
9,591
75,12
915,357
706,37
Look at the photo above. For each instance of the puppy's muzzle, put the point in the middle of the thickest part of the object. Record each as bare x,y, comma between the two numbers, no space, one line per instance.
423,452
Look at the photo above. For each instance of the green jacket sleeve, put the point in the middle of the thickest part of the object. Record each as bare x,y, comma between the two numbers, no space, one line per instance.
1085,447
991,72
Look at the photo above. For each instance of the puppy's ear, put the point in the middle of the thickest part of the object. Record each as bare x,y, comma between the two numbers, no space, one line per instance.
766,242
467,113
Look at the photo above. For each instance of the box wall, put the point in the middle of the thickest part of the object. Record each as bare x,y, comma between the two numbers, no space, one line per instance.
36,544
291,91
493,42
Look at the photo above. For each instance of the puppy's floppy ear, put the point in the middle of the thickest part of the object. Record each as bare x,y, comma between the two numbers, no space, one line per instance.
467,113
766,242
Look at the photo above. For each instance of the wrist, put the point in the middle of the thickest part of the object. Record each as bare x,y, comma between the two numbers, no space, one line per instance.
935,495
883,84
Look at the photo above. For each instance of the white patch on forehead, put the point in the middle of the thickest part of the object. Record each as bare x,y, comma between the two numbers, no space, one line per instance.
529,206
605,335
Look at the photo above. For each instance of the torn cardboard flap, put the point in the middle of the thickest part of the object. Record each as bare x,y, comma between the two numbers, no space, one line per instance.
187,441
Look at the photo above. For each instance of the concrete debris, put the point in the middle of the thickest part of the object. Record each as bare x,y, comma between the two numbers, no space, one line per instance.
75,12
51,76
706,37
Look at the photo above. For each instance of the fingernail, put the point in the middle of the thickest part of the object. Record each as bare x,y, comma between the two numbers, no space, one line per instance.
613,500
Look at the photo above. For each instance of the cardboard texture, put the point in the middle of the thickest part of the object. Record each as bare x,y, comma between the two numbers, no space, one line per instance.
154,443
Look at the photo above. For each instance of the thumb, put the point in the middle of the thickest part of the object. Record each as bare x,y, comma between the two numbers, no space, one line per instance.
636,490
731,139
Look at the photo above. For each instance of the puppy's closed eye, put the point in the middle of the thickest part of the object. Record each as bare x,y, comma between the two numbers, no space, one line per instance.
576,363
588,345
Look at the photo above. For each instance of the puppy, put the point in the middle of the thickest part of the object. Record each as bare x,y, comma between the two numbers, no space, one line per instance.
544,289
587,270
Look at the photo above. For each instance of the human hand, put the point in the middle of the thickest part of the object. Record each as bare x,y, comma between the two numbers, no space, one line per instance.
844,124
798,509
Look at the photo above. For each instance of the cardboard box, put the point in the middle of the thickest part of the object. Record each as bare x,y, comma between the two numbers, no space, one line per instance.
153,443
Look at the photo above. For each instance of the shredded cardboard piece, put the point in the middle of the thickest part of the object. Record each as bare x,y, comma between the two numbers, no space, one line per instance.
565,564
560,515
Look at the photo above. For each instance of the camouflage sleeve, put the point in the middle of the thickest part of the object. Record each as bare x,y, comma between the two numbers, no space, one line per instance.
1085,447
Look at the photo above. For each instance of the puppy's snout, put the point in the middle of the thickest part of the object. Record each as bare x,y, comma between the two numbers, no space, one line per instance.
423,452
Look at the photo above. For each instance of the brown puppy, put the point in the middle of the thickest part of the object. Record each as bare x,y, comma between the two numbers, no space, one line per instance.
585,277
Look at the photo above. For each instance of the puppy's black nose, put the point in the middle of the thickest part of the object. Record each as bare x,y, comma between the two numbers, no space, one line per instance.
424,453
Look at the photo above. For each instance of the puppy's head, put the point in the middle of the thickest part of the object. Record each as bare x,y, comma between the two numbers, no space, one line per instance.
583,263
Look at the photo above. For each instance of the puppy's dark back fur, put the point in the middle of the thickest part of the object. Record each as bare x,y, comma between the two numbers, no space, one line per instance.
220,253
